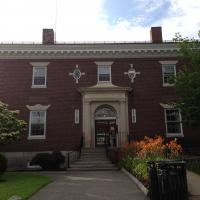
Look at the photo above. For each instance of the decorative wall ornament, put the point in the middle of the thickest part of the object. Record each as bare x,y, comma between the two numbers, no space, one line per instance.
77,74
131,73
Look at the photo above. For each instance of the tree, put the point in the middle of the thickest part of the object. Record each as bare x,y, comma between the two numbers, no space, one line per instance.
187,82
10,126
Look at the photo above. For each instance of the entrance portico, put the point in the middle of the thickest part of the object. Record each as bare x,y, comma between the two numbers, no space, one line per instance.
104,94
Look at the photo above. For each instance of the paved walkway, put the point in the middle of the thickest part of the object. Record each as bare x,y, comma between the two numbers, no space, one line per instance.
97,185
193,180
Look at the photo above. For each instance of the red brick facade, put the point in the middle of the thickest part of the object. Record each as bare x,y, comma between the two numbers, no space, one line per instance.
63,97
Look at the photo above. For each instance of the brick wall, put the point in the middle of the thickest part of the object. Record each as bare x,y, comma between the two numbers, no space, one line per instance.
61,93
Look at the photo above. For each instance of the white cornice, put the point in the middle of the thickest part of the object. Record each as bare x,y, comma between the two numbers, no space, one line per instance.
168,62
99,63
81,51
38,107
39,64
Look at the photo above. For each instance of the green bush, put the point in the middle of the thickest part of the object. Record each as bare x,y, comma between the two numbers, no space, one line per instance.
58,156
48,161
3,164
141,170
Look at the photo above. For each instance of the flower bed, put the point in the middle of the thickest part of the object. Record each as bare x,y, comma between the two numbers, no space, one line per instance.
138,153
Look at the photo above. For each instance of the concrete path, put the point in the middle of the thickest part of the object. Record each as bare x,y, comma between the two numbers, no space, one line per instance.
193,180
96,185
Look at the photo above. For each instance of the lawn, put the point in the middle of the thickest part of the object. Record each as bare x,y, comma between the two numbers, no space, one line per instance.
23,184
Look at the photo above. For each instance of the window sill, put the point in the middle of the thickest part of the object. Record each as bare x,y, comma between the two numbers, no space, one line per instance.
168,85
168,135
38,86
36,137
104,82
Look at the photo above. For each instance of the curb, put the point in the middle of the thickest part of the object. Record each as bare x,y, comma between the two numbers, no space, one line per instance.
136,181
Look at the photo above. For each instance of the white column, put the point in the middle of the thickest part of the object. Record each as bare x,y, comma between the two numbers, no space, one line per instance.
122,137
87,124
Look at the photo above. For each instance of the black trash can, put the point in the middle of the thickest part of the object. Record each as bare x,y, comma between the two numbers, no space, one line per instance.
167,180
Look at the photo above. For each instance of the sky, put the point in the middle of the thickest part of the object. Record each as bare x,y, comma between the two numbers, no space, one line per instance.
97,20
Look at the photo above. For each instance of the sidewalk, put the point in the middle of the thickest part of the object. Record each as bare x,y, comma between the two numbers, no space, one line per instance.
193,185
96,185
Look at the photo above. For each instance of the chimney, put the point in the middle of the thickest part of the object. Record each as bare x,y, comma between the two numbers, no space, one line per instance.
156,34
48,36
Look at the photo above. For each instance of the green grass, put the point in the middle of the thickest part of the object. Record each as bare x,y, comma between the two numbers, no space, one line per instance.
23,184
194,166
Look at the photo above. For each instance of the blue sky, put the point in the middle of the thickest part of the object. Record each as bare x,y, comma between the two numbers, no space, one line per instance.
137,12
97,20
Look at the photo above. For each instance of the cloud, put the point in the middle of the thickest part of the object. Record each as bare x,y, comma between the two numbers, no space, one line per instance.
89,20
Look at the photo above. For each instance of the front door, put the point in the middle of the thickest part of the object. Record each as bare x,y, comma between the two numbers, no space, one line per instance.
102,130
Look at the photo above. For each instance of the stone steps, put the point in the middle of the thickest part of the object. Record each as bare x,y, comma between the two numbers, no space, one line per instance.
92,160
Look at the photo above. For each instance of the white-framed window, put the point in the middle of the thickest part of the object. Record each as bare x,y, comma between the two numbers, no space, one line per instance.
173,122
37,121
76,116
104,71
39,76
37,124
168,71
133,115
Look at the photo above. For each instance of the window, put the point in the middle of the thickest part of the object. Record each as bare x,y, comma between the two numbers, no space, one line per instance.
104,73
169,72
133,115
39,77
173,122
37,124
76,116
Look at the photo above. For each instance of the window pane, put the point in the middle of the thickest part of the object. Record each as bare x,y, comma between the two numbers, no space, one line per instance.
37,122
39,71
173,115
39,81
104,70
169,69
104,77
173,127
168,73
39,75
173,121
104,73
37,129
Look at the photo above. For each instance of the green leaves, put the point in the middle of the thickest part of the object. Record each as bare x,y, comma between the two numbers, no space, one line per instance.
187,82
10,126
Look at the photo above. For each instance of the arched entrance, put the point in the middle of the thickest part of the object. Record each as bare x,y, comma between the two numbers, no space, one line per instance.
105,124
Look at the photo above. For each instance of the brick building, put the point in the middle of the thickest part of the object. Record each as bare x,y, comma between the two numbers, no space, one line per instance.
66,91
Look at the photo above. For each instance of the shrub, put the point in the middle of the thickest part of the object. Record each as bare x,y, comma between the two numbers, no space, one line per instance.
152,148
48,161
137,153
58,157
3,164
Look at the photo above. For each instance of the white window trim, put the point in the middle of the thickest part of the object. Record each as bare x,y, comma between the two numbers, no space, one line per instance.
76,116
104,63
35,65
168,135
37,107
168,62
133,115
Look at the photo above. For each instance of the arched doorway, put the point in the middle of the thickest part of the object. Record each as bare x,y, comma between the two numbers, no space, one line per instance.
105,124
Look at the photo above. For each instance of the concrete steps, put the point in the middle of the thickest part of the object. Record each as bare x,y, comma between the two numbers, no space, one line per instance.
93,160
